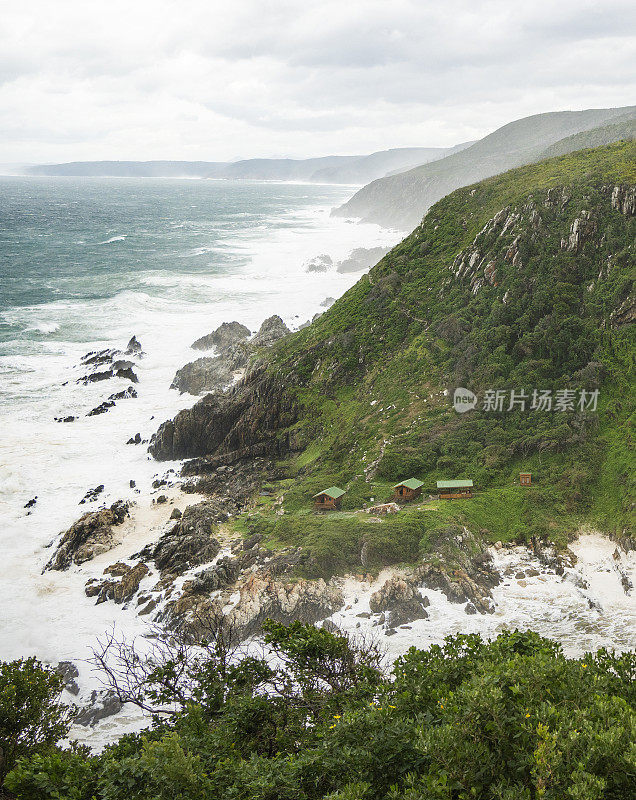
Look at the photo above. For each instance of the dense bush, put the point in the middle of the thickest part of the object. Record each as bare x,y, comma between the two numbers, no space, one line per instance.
502,720
32,718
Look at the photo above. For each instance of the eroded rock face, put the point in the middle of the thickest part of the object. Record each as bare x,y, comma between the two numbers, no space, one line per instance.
243,423
459,586
260,598
624,199
190,541
225,336
91,535
272,329
217,373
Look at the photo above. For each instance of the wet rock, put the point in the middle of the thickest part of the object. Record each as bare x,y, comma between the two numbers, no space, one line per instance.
331,627
136,439
91,535
222,574
133,347
92,494
128,585
118,569
470,608
30,503
102,705
161,499
65,419
69,673
225,336
400,600
190,542
261,598
176,514
148,608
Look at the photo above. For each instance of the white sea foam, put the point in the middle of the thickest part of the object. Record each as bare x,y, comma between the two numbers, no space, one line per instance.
113,239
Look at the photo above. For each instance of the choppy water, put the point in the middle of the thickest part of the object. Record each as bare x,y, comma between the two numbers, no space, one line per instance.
85,264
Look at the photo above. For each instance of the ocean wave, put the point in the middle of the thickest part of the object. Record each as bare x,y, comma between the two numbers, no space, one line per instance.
44,327
113,239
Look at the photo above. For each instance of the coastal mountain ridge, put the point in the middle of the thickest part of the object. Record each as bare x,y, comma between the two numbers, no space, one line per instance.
401,201
523,281
357,169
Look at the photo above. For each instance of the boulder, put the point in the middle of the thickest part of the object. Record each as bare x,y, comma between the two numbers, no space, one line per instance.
91,535
400,600
102,705
320,263
128,585
69,673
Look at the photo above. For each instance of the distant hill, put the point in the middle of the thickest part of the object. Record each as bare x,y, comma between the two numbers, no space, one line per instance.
402,200
328,169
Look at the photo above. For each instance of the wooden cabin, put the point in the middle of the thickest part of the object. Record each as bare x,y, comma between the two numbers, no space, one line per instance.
454,490
328,499
525,479
407,490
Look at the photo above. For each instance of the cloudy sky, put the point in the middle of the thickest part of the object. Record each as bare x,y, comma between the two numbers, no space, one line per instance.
146,79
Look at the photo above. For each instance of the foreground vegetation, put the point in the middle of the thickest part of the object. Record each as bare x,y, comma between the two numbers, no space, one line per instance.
509,719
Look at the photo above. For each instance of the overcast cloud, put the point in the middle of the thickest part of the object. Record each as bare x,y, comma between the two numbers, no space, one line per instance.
147,79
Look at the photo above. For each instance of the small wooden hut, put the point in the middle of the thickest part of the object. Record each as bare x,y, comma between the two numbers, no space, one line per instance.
328,499
525,479
455,490
407,490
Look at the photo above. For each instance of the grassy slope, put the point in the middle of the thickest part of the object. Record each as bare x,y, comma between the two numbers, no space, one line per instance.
371,373
401,200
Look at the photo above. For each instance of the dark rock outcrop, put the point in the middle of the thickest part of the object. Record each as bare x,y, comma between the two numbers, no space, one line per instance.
190,541
401,600
245,422
69,673
91,535
225,336
102,705
217,373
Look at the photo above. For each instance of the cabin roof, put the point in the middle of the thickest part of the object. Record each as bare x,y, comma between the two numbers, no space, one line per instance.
410,483
454,484
333,491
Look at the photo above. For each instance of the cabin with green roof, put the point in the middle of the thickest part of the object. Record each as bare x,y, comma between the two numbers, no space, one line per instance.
454,490
328,499
407,490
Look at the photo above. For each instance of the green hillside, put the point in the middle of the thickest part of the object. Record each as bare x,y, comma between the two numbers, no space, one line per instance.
596,137
401,200
521,282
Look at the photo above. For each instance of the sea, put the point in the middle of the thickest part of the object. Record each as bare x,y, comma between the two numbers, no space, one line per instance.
85,264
